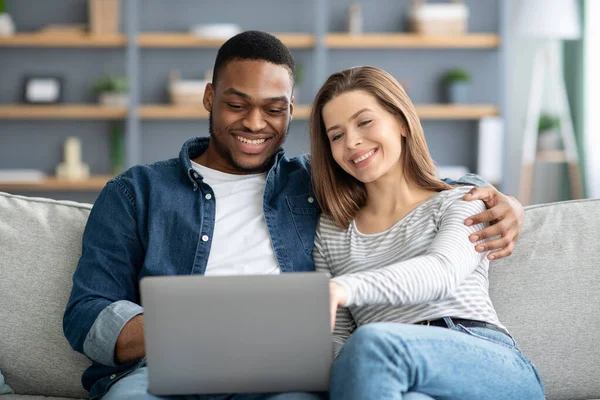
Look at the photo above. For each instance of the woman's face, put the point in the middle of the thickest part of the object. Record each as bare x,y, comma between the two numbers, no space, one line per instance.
365,138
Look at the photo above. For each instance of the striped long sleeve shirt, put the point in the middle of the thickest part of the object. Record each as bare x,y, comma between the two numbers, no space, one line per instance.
422,268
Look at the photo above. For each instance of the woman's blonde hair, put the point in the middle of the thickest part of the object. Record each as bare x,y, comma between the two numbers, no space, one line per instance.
339,194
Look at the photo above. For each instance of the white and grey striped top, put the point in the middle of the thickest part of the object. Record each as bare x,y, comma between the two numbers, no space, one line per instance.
422,268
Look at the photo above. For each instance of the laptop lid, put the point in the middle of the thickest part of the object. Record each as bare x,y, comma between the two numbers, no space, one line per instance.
237,334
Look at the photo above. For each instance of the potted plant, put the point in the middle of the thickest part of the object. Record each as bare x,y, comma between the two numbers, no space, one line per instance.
112,90
7,26
549,137
456,82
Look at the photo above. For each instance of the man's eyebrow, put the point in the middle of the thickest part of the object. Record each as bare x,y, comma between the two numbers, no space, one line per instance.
248,97
278,98
354,116
237,93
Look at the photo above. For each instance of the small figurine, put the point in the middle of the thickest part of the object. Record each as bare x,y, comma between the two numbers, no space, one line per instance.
72,168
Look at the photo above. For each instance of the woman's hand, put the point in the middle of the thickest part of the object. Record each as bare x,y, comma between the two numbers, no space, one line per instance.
337,298
506,215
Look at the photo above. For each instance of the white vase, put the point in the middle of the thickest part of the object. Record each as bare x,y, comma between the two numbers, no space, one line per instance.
114,99
7,26
549,140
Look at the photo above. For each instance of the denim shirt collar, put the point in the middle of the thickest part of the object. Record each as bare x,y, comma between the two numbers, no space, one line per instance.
196,146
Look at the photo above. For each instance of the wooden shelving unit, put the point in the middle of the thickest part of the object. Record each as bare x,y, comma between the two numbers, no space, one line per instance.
61,111
94,183
182,40
411,40
62,40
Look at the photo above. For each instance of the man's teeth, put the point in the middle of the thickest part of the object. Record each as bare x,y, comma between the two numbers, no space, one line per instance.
363,157
254,142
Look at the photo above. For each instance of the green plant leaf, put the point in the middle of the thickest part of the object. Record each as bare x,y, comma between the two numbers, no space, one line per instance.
547,122
456,75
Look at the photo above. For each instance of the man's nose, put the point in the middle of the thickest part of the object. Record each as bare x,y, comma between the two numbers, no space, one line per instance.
254,120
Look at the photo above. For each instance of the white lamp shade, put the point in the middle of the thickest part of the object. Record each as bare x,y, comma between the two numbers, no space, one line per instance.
549,19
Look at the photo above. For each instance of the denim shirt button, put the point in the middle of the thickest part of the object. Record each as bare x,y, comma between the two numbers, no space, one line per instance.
196,175
208,196
113,376
205,238
311,200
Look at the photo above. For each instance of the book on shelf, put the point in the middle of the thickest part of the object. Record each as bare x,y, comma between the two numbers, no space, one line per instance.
21,175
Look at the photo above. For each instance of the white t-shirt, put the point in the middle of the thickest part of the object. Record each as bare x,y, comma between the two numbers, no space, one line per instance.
241,244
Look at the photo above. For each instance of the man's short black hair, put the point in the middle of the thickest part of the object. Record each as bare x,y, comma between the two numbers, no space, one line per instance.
253,45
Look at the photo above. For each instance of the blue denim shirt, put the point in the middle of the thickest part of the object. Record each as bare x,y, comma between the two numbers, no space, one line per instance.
150,221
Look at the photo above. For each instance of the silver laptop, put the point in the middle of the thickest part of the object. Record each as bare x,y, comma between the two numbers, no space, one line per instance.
237,334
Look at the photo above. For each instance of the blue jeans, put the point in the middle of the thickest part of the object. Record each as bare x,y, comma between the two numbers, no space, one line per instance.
387,360
135,387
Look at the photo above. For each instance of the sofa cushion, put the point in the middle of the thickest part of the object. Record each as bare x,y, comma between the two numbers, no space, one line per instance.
547,294
40,246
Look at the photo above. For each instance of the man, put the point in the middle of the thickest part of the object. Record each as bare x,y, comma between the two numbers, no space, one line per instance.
160,219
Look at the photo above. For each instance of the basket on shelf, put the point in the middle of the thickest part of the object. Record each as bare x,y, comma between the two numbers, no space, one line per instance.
105,16
439,18
184,92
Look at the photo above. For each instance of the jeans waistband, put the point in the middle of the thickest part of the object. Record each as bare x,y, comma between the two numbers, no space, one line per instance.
467,323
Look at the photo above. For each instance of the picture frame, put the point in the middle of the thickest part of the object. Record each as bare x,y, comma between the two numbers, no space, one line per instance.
43,89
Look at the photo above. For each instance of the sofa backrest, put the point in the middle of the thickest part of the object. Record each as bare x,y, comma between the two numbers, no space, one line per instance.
548,295
40,244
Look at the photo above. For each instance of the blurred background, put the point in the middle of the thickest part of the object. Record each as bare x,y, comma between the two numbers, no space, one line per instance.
504,88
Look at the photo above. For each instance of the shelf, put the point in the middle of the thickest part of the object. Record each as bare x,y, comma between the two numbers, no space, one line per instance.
61,111
167,111
551,156
455,112
54,184
182,40
411,40
62,40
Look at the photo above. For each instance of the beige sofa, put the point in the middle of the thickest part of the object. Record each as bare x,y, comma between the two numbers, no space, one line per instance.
547,293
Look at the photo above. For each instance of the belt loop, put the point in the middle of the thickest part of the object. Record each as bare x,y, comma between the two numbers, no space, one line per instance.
449,322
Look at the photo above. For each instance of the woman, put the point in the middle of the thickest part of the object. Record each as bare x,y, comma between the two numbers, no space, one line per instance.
403,270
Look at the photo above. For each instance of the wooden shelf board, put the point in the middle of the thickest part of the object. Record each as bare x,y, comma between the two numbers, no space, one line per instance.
551,156
62,40
61,111
455,112
54,184
179,40
411,40
169,111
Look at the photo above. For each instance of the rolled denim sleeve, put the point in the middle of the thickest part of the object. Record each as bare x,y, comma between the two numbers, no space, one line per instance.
105,293
100,342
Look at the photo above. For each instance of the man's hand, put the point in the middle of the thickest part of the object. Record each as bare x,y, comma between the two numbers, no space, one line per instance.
337,298
506,215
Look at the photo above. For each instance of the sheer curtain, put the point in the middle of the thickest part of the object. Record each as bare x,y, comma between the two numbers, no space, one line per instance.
591,96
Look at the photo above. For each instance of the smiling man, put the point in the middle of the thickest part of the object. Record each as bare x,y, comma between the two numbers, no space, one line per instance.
229,204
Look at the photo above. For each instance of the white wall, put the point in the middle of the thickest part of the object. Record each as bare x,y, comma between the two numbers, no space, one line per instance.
549,178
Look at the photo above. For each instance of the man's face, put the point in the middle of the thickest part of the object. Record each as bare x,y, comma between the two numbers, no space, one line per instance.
250,111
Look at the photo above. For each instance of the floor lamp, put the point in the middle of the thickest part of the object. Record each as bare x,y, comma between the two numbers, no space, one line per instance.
550,21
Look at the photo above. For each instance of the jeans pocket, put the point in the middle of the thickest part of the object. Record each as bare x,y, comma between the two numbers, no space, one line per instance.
490,335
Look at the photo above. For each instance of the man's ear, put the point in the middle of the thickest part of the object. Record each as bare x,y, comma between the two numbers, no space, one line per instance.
292,108
209,94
